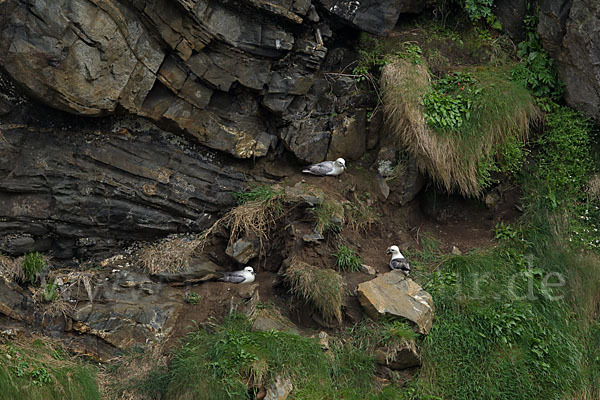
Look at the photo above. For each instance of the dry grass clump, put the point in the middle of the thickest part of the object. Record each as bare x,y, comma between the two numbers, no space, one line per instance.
593,188
11,268
361,214
455,158
253,217
169,255
321,288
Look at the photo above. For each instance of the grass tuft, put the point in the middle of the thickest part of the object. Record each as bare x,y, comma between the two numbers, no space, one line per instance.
329,216
33,265
347,259
169,255
321,288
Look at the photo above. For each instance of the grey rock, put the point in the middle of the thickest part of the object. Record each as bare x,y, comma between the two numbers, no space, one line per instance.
243,250
375,16
395,295
456,251
399,357
367,269
223,62
569,31
511,13
279,389
60,187
315,237
348,138
198,270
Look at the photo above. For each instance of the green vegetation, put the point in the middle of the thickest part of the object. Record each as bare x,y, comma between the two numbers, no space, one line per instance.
449,102
33,265
346,259
536,69
321,288
37,370
465,133
225,361
192,298
359,215
522,319
375,53
329,216
259,193
390,333
50,291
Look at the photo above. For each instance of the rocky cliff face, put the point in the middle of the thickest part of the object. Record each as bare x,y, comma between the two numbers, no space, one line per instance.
234,76
570,30
79,192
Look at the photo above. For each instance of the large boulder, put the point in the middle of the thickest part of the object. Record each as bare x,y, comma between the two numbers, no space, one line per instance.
395,295
570,32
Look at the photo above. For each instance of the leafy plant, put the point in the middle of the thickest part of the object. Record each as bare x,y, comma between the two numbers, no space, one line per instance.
536,69
411,52
191,298
449,102
347,259
40,376
50,291
371,57
504,231
33,265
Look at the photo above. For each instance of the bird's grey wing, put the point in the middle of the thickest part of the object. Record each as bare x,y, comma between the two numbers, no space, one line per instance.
233,277
400,264
321,168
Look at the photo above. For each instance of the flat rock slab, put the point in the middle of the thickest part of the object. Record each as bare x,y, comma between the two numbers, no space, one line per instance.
394,294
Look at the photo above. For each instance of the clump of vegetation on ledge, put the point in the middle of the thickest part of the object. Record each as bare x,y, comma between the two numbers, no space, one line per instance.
457,127
321,288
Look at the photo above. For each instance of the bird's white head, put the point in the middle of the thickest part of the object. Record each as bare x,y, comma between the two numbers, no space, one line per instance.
340,162
394,251
249,269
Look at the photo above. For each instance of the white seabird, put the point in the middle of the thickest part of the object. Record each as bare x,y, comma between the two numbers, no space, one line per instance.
326,168
398,261
246,275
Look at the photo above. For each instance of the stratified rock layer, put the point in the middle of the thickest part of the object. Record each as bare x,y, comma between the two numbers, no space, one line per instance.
71,192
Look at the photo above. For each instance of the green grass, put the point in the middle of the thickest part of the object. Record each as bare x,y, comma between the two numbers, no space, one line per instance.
229,361
38,370
329,217
346,259
321,288
256,193
501,332
33,265
369,334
